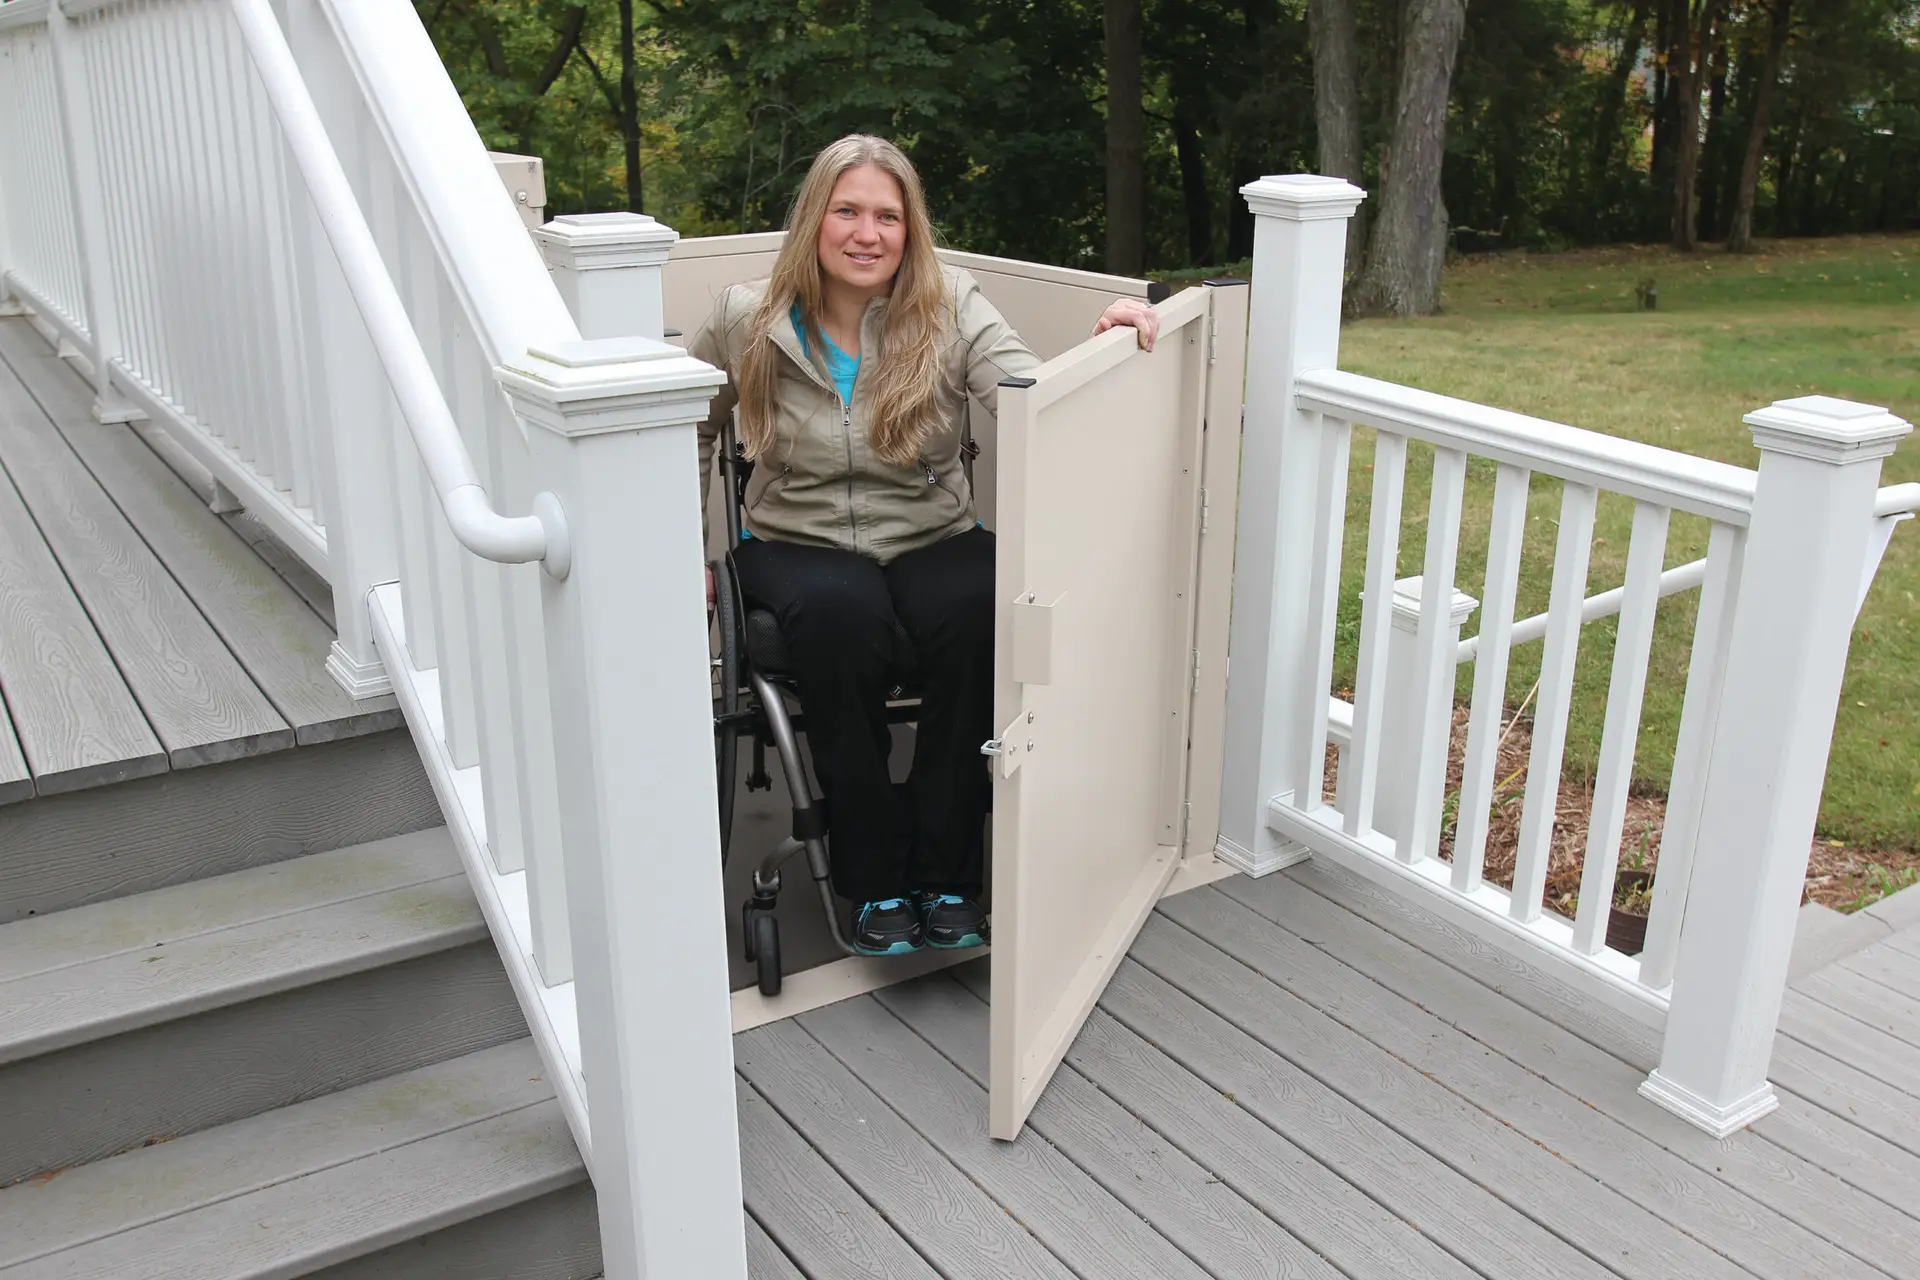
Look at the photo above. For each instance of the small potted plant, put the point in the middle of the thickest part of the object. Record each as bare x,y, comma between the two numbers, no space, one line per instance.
1632,898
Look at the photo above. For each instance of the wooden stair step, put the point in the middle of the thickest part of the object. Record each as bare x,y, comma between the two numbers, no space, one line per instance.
283,929
411,1159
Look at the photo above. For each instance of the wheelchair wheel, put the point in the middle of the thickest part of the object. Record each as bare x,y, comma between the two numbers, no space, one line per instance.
726,736
766,952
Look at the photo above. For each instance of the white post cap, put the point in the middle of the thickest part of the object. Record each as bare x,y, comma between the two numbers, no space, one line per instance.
1302,197
594,386
1406,605
1827,429
599,241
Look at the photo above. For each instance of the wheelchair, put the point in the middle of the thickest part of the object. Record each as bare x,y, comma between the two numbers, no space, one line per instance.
756,698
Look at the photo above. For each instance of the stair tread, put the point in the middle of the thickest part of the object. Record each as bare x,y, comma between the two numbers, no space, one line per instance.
291,947
78,935
351,1209
150,1185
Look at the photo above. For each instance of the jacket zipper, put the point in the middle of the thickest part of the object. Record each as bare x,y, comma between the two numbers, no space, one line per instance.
846,436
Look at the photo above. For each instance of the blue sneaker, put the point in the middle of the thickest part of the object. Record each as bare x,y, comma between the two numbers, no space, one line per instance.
951,922
889,927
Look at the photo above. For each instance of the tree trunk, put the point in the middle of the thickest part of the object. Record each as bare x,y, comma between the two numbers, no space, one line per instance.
1712,148
629,107
1740,230
1666,51
1336,105
1126,142
1614,100
1193,188
1402,274
1695,51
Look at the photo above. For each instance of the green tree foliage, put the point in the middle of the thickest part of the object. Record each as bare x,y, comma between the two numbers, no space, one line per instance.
1002,105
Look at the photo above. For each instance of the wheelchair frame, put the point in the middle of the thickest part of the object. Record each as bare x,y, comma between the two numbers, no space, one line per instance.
752,702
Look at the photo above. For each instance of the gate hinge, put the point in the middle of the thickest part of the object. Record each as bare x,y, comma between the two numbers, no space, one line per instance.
1186,822
1205,511
1196,671
1213,338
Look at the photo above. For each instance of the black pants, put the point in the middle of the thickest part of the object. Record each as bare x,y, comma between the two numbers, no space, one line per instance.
836,611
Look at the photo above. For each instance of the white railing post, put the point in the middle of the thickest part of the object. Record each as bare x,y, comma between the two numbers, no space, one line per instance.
89,216
1413,729
1792,620
611,426
1300,231
607,266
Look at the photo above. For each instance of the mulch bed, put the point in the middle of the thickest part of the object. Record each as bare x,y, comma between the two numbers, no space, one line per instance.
1838,875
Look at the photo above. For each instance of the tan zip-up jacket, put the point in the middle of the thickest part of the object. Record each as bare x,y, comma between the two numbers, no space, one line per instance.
821,483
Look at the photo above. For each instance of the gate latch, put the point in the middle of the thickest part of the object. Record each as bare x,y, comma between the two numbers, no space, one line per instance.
1012,747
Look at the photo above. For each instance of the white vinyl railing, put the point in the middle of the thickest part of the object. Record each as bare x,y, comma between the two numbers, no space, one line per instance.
271,229
1790,549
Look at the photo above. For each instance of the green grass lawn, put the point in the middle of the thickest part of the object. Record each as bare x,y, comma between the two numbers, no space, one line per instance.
1561,336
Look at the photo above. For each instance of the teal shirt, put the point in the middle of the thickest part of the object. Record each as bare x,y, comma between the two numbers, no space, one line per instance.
841,367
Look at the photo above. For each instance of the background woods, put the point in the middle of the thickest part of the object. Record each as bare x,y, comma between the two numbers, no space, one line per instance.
1117,132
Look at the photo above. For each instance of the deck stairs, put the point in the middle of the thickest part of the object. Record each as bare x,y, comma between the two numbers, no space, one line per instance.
251,1021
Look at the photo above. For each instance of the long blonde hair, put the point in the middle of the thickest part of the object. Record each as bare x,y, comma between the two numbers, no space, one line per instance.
903,395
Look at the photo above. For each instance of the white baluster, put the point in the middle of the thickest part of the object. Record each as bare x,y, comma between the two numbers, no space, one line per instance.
80,137
1792,622
1571,553
627,644
1300,225
1632,647
1323,590
1706,674
1376,625
1417,716
607,266
1504,542
1435,658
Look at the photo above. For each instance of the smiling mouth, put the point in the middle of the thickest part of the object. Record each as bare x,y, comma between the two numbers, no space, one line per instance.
864,259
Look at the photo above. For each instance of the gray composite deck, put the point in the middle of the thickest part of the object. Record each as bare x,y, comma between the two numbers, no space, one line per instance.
1305,1077
140,632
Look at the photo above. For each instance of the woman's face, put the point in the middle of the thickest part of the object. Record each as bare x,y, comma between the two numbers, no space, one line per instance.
864,233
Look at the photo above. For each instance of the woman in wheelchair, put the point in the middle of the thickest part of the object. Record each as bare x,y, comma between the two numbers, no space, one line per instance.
851,368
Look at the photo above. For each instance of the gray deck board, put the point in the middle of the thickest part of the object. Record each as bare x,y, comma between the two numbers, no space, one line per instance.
1658,1182
819,1220
44,1012
16,781
950,1221
1068,1211
1885,966
163,1181
332,1215
764,1259
1845,1090
280,641
1312,1200
1348,919
1879,1054
170,916
87,846
1457,1209
1906,941
195,694
1190,1204
243,1060
77,723
1887,1009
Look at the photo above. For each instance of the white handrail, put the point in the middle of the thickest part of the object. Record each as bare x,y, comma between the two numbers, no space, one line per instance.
17,13
470,514
1717,490
1897,499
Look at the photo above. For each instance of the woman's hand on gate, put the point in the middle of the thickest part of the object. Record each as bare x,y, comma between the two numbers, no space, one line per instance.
1132,312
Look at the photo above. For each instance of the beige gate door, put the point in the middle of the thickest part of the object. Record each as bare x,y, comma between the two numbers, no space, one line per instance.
1099,534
